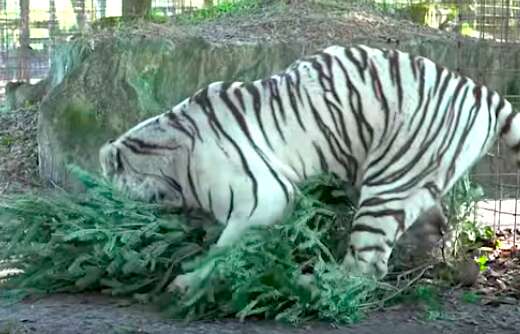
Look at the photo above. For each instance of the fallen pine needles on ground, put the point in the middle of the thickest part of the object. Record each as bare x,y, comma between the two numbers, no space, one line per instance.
101,241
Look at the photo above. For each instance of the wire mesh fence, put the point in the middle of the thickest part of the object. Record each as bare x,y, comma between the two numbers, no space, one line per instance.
28,35
29,30
497,20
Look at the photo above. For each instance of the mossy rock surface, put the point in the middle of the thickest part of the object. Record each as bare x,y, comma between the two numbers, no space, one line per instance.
98,88
124,81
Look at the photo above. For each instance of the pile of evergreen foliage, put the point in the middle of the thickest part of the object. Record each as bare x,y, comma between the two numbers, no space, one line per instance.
101,241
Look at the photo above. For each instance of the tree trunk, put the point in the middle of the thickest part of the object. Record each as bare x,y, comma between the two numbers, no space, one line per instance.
102,4
53,24
79,9
24,61
3,39
136,8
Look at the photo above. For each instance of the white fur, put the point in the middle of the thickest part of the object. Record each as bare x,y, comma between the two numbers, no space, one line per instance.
216,166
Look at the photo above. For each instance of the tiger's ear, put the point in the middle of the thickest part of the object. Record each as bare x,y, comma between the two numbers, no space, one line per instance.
110,159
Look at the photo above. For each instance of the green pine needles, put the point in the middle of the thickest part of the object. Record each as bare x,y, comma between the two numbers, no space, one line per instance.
101,241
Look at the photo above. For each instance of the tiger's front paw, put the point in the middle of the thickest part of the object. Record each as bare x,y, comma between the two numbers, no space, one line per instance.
187,282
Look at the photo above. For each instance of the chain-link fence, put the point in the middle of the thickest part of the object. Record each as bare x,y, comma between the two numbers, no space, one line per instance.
30,29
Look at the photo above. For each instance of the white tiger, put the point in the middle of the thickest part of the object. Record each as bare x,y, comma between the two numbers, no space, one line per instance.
401,128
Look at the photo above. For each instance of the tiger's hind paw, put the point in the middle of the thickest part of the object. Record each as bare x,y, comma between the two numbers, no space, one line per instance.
377,268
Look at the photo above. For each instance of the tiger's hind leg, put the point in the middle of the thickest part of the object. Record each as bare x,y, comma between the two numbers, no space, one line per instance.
426,239
378,224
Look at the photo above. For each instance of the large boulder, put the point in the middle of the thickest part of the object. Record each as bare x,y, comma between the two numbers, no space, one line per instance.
101,87
20,94
122,82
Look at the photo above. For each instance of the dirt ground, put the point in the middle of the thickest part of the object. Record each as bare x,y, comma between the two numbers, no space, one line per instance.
101,314
87,314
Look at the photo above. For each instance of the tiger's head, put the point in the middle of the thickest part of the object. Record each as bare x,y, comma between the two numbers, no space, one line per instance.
143,162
